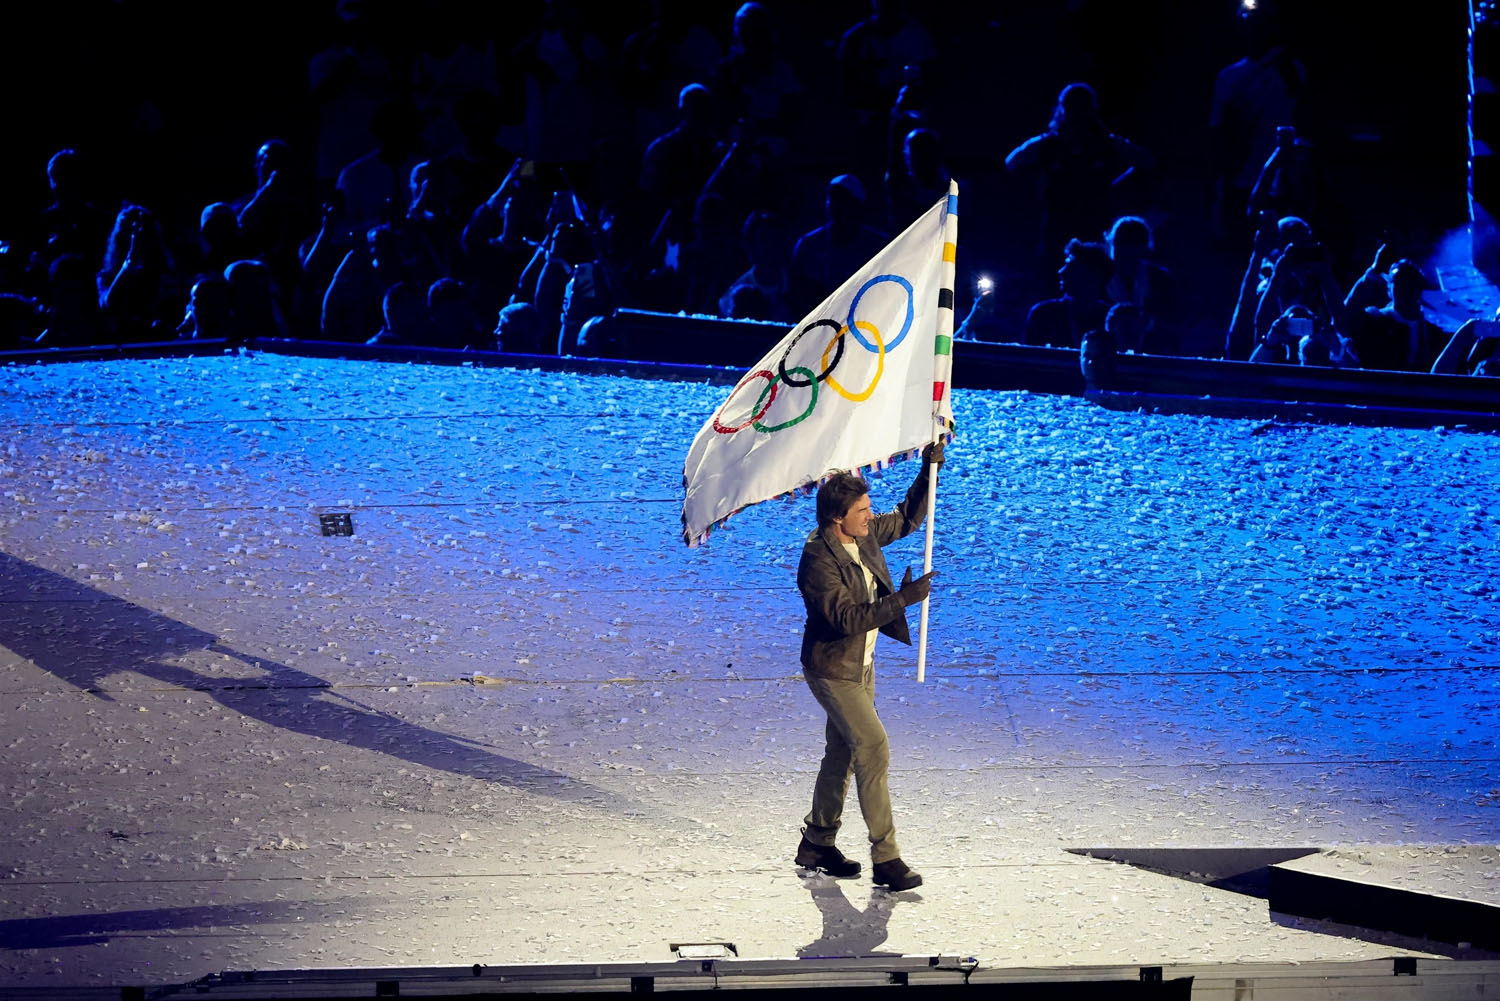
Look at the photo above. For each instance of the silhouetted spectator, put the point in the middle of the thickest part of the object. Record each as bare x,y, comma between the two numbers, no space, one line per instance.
1272,237
72,223
761,293
351,306
1303,275
454,63
983,320
22,319
1125,329
275,217
218,238
73,314
1372,290
403,312
1079,168
1251,98
825,257
907,114
752,176
257,310
565,66
475,167
1062,322
676,165
671,51
546,278
210,310
495,250
321,256
875,52
588,293
1138,280
694,272
598,338
753,80
429,225
922,179
375,184
138,289
1474,349
1287,184
518,328
1300,336
880,61
1398,336
349,82
451,319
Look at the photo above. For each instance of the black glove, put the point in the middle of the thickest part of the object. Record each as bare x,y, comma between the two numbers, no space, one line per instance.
914,592
933,454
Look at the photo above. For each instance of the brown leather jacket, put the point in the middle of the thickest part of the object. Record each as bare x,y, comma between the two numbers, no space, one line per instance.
839,611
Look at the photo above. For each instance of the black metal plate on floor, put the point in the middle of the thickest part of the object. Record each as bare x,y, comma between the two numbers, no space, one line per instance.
337,523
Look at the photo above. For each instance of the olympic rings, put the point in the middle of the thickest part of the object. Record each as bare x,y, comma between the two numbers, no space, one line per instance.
799,376
905,323
879,362
811,403
770,378
827,368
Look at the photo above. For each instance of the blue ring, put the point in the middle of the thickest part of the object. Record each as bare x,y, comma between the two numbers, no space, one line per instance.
906,324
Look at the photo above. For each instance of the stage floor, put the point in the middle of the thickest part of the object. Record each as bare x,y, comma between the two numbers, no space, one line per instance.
512,719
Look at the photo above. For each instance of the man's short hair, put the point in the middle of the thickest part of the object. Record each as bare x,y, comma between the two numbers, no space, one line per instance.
1093,256
837,495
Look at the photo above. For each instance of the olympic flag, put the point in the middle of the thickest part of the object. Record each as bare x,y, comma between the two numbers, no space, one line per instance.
860,381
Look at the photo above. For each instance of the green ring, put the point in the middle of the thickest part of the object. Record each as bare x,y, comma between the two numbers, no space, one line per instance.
813,402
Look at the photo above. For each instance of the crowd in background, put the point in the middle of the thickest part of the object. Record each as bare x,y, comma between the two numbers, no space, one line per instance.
508,182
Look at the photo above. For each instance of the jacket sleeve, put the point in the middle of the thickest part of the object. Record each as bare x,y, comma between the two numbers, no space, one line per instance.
823,589
907,517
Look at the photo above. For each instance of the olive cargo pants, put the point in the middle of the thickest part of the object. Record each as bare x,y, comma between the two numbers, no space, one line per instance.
857,745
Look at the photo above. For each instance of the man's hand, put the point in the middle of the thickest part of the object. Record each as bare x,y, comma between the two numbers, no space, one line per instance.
933,454
914,592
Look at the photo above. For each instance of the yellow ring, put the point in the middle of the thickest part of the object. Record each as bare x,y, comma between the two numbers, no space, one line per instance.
833,384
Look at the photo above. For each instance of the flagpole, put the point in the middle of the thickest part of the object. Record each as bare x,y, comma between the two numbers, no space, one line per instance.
942,373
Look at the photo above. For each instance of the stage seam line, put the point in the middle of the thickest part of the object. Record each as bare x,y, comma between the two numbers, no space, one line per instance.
489,679
769,867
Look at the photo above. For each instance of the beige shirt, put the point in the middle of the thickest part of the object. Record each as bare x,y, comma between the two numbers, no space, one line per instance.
853,550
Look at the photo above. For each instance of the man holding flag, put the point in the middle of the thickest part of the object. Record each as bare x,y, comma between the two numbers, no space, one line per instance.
861,381
849,597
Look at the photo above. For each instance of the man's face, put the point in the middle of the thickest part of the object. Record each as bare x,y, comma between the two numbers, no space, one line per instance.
856,521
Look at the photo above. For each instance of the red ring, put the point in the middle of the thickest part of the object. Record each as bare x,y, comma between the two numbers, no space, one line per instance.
770,399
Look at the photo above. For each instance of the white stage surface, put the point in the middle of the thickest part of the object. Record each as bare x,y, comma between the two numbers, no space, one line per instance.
513,720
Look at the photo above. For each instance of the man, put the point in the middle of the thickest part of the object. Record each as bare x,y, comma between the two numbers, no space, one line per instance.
1397,336
1062,322
849,597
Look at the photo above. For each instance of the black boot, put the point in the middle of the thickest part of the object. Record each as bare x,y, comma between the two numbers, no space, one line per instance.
896,875
827,858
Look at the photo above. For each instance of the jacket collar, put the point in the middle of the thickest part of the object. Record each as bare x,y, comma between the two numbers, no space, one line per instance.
830,538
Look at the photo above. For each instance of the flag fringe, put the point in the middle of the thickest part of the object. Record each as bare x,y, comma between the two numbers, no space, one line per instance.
806,489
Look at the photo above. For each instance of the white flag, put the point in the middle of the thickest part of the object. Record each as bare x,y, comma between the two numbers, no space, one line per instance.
859,381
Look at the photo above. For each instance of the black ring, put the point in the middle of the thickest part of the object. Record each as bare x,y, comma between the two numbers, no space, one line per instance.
786,377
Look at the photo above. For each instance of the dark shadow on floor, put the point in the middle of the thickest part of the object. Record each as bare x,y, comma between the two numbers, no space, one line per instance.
846,931
67,930
83,635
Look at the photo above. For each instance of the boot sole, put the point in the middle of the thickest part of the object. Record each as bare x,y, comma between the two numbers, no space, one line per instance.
827,871
904,885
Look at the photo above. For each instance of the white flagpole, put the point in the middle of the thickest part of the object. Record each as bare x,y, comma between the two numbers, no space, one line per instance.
926,568
942,373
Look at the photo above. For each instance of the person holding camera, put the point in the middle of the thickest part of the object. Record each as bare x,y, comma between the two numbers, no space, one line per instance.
1302,276
1300,337
850,598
